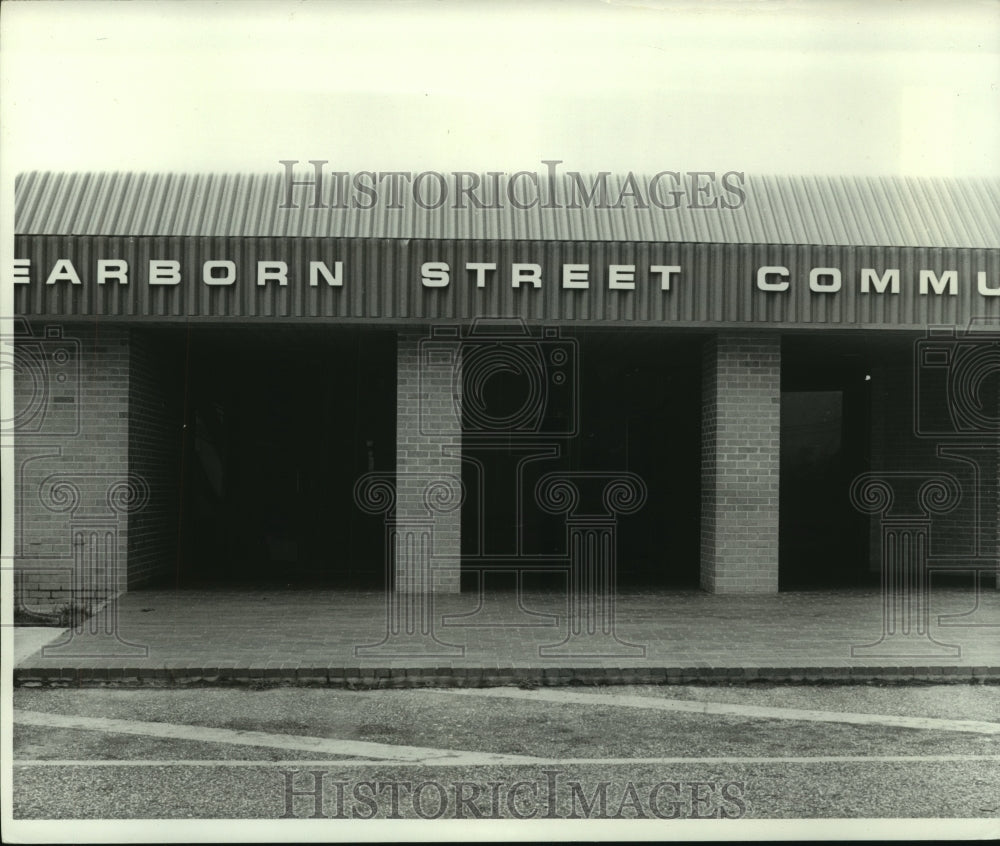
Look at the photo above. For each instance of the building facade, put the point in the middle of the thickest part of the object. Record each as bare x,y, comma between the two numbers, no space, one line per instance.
208,365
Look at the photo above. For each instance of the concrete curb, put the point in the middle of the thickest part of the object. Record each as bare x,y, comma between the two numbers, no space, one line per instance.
397,677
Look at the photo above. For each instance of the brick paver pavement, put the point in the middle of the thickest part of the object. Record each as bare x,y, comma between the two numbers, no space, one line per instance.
312,636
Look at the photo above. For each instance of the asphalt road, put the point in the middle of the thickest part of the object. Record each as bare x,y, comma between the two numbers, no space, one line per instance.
655,753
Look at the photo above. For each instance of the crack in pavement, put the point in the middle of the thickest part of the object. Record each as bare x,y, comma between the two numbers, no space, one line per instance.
331,746
726,709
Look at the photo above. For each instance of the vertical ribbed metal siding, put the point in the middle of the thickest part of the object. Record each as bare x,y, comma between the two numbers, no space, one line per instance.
382,281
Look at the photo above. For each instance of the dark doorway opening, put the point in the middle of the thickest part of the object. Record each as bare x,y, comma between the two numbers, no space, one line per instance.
634,407
825,425
280,424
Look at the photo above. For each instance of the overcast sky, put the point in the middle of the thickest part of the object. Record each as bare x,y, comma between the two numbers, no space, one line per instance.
845,88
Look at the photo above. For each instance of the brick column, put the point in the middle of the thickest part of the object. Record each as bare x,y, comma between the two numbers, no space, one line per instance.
71,403
740,446
428,441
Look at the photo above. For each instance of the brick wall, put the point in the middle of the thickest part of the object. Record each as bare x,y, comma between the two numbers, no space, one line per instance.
740,443
154,454
428,443
72,449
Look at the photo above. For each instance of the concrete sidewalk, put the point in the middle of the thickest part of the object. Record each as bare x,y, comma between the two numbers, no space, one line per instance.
313,637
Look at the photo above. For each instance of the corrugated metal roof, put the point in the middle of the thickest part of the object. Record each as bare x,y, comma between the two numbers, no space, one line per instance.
834,211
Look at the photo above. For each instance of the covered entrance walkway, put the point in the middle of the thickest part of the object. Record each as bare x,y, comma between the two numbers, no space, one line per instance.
341,638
